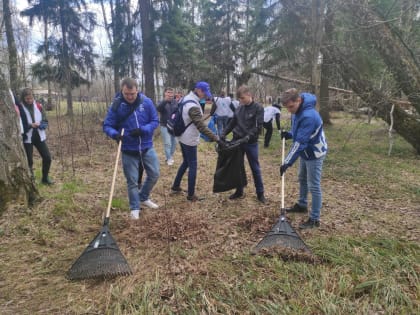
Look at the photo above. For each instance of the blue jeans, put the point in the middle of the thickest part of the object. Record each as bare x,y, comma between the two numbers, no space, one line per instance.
221,123
189,156
169,142
150,163
310,181
251,151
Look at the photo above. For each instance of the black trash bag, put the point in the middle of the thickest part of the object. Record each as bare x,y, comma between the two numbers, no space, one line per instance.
230,168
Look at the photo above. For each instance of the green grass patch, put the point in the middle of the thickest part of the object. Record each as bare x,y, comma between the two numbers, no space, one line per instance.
118,203
358,276
358,153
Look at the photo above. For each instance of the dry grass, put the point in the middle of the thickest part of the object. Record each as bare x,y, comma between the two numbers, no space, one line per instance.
194,258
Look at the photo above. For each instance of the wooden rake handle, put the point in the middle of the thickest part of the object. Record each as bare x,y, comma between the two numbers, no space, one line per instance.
108,209
282,177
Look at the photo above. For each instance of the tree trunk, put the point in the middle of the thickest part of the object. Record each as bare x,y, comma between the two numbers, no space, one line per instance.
148,47
157,73
11,48
317,34
16,184
133,73
66,61
243,78
47,61
324,96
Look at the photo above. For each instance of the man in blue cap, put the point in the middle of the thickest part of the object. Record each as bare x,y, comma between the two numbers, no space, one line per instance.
192,115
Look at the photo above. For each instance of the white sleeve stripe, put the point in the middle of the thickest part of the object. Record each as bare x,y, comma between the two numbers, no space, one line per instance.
292,152
316,132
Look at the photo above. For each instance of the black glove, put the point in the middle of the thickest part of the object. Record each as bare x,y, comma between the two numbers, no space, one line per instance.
283,169
221,143
135,132
118,137
285,135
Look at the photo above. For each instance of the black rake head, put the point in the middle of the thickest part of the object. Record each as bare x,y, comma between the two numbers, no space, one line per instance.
101,263
101,259
283,240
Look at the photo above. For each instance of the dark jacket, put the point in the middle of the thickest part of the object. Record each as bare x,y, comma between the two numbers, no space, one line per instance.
247,121
166,108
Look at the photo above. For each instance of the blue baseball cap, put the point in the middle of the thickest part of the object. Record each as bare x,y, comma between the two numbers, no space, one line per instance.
205,87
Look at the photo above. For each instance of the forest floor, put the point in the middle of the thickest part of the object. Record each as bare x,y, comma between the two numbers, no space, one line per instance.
194,258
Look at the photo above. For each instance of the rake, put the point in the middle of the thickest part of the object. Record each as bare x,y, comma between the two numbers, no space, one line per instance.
282,237
102,258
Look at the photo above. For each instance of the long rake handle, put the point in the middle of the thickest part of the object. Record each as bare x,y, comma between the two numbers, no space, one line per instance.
108,208
282,177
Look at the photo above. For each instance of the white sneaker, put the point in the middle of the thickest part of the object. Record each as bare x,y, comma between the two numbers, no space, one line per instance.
149,203
135,214
170,161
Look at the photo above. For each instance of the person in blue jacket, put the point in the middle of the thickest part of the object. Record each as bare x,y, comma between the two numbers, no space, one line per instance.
309,143
137,114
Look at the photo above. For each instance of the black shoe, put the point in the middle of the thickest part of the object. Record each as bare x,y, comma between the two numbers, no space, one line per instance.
309,224
261,198
237,194
297,209
47,181
194,198
176,190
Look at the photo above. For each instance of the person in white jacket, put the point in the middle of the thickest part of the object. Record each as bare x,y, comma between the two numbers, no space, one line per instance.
35,134
192,115
271,112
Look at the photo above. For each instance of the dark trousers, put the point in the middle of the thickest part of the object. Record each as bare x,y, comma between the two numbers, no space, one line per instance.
42,148
251,152
269,127
189,156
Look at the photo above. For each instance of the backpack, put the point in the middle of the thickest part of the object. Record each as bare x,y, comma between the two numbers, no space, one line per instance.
175,124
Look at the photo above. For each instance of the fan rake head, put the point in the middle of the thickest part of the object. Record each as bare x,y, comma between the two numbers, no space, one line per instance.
101,259
284,241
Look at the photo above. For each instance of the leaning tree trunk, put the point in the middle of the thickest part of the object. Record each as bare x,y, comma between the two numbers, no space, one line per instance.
392,49
16,184
407,126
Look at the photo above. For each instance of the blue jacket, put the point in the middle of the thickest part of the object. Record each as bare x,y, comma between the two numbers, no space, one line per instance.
308,136
144,117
